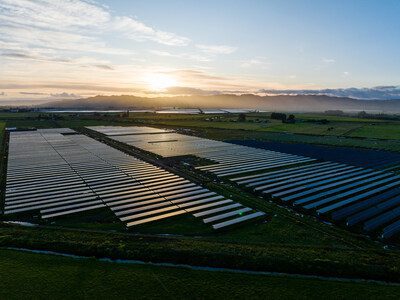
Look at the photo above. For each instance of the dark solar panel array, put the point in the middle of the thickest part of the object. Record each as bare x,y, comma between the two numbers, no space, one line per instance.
363,194
229,159
355,196
366,158
57,175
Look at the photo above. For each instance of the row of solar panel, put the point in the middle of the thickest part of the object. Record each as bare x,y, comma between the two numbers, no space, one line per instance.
74,173
364,197
171,195
327,188
39,178
230,159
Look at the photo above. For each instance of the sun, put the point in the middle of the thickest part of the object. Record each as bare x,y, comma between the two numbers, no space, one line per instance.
159,82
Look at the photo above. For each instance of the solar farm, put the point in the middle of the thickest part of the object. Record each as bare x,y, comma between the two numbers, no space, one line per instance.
121,189
359,198
57,172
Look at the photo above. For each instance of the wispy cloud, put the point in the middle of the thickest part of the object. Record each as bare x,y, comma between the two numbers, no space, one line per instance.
378,92
16,55
139,31
328,60
104,67
32,93
64,95
324,63
178,90
189,56
345,74
255,62
72,25
198,75
55,95
216,49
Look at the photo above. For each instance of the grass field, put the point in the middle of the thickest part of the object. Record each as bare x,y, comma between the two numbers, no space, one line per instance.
306,124
33,276
340,131
282,247
286,243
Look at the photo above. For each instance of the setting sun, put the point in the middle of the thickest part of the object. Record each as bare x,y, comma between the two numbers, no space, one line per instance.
159,82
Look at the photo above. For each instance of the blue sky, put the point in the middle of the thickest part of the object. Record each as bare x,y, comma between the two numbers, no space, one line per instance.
77,48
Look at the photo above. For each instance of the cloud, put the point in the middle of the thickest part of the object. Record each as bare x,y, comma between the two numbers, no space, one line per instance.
136,30
68,86
54,14
79,61
196,57
104,67
163,53
328,60
64,95
17,55
72,25
255,62
198,75
178,90
386,87
32,93
378,93
32,56
216,49
56,95
205,80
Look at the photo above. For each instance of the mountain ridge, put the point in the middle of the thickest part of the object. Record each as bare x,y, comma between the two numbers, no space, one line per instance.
248,101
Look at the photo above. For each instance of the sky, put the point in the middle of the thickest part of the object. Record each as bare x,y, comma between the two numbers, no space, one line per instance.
53,49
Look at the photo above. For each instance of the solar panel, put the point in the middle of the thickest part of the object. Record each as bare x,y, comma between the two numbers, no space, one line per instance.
156,218
285,184
251,178
238,220
343,186
216,210
373,211
351,192
238,212
73,211
321,185
391,230
288,175
382,219
358,197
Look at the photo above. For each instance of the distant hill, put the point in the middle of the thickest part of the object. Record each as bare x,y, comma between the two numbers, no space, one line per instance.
249,101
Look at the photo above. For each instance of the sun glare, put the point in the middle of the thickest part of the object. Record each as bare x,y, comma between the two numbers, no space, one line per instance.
159,82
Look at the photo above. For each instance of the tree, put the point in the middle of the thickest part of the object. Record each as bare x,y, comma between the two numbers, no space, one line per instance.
278,116
242,118
291,119
362,114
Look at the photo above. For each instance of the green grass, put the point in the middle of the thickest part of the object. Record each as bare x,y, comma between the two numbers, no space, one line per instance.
382,132
344,118
337,125
237,250
341,130
37,276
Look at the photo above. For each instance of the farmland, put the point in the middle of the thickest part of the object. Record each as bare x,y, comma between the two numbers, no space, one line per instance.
285,241
348,131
